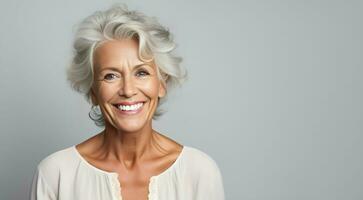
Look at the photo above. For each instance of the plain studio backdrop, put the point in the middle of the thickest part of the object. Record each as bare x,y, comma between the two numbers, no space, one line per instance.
274,94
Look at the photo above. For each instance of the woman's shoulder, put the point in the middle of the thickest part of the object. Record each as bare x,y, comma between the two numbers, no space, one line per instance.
199,161
199,155
203,174
49,170
54,162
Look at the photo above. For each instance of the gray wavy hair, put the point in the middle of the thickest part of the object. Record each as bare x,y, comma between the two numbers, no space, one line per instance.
155,43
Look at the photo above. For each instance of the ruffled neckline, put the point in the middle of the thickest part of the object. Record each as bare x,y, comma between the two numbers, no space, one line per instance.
114,175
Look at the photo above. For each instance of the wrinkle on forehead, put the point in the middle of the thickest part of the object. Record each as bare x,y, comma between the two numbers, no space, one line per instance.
117,53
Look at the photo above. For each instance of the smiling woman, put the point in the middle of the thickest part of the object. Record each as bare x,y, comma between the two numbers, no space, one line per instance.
124,66
129,77
155,44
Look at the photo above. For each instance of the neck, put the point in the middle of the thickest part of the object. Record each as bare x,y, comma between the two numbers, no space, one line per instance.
127,147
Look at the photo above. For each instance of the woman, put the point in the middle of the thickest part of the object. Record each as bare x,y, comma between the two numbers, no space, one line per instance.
125,67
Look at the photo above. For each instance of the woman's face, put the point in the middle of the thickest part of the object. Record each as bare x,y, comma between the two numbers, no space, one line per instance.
125,87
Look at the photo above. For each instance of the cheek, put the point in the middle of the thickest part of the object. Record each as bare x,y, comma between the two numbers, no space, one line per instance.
106,92
150,89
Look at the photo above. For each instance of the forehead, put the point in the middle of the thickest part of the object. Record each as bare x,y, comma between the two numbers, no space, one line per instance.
117,53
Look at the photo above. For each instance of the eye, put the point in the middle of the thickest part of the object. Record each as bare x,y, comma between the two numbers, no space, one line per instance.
110,77
142,73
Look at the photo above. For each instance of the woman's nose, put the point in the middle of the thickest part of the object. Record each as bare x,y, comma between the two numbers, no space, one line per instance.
128,88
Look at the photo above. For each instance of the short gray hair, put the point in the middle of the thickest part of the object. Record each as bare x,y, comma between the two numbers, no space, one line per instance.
155,43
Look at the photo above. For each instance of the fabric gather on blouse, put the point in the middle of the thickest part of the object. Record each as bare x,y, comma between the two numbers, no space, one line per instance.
66,175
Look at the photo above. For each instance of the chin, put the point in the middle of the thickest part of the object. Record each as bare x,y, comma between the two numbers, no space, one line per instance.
130,126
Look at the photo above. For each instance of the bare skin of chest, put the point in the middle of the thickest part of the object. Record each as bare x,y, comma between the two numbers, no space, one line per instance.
134,177
134,187
135,182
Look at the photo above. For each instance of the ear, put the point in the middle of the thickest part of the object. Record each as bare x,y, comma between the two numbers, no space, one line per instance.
162,89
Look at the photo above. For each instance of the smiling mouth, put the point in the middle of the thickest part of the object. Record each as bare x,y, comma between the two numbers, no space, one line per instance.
129,108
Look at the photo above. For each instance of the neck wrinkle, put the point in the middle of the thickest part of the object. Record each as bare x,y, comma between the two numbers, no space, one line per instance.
127,147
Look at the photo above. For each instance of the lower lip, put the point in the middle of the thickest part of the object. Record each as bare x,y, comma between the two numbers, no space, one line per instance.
130,112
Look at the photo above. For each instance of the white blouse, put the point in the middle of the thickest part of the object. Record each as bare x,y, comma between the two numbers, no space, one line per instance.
66,175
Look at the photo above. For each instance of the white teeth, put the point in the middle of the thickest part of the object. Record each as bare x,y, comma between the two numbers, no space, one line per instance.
132,107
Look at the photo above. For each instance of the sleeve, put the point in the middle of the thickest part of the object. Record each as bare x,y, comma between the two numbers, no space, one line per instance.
40,189
210,184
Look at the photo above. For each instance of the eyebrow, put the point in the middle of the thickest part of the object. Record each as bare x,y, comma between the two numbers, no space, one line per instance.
117,69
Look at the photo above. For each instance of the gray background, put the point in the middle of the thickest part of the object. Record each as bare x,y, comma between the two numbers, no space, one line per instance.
274,94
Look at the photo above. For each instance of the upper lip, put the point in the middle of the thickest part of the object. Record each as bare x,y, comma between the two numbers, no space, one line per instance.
128,103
